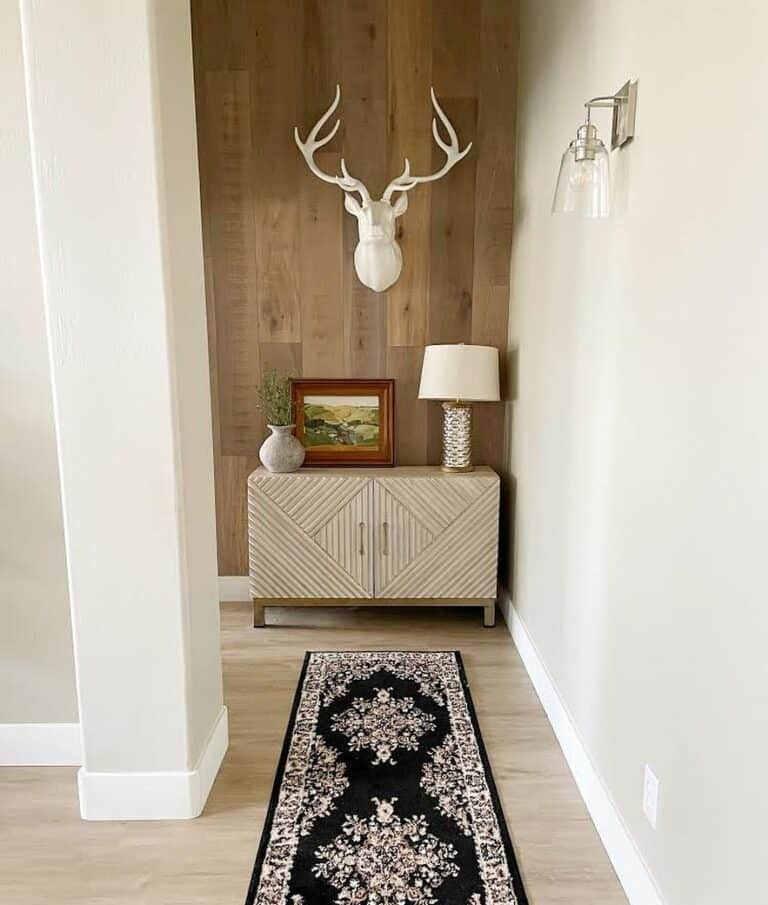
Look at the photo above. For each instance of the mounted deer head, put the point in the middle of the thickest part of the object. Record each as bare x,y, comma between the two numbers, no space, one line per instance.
378,259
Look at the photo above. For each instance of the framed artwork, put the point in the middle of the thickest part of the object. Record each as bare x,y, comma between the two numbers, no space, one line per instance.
345,422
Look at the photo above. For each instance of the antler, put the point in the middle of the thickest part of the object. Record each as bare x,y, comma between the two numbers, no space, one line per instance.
313,143
404,182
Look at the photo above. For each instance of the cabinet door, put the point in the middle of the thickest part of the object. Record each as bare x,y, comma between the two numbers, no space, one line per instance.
436,536
310,536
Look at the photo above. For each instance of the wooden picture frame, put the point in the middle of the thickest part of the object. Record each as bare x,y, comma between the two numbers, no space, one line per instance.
345,441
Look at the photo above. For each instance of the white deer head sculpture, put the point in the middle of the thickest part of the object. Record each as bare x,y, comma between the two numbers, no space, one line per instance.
378,259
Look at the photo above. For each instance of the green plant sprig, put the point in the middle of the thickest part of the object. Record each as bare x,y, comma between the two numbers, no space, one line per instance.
275,398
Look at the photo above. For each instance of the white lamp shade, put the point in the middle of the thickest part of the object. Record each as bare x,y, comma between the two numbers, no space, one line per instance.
461,372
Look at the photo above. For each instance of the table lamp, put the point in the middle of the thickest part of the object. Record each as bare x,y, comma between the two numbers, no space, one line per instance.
459,375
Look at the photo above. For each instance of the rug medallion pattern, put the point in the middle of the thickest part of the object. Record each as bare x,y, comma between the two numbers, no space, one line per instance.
383,794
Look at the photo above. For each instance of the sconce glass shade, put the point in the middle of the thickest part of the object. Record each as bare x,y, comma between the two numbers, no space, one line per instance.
583,184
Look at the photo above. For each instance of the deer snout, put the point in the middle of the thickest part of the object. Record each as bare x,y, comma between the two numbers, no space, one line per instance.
376,221
378,233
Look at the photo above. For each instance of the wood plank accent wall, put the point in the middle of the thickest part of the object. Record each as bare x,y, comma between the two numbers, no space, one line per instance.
281,286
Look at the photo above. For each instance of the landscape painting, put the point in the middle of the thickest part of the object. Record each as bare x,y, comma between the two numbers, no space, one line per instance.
345,421
341,421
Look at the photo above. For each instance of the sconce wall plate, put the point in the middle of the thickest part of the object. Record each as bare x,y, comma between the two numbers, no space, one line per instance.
623,128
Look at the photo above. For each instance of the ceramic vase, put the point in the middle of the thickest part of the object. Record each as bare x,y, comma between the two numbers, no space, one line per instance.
281,452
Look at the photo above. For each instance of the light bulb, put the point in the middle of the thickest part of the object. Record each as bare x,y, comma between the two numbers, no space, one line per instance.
582,176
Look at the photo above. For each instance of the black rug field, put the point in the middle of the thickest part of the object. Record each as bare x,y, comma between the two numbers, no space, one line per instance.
384,794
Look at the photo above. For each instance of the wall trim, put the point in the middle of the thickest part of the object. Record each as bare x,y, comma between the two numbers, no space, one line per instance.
234,588
171,795
633,873
40,745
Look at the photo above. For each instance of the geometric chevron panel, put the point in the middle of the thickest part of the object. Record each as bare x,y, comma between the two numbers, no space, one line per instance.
310,500
461,561
435,497
400,535
300,537
345,537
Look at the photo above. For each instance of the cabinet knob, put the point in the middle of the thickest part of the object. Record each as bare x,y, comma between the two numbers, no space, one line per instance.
385,538
362,531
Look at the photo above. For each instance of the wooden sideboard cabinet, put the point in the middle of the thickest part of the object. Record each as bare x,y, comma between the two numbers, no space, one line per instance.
409,536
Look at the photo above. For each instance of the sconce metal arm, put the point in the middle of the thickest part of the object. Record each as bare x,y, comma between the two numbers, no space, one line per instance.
605,100
624,103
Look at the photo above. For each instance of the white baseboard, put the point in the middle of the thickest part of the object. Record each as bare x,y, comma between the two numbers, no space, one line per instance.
234,588
40,745
627,861
155,796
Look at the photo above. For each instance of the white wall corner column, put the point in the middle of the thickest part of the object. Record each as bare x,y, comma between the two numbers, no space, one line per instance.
112,131
38,704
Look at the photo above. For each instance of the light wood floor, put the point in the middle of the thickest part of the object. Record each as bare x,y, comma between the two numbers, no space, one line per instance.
47,854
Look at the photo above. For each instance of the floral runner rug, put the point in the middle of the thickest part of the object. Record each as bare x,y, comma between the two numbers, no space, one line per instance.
384,794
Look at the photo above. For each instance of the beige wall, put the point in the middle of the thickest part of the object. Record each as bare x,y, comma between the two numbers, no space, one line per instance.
639,438
37,683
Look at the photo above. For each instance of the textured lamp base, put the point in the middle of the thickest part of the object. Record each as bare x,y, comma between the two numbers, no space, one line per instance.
457,437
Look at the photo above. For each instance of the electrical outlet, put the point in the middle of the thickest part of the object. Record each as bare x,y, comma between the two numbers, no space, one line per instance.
650,795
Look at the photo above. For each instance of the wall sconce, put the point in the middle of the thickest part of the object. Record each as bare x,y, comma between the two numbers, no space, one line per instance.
584,182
